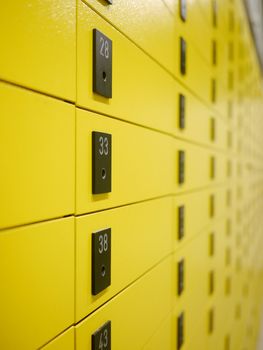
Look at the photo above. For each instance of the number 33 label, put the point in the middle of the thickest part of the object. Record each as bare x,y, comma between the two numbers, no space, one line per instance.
101,162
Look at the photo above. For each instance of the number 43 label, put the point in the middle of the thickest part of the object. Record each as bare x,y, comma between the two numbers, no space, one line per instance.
101,339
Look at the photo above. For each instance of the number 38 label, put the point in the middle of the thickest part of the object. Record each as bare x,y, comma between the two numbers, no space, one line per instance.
101,260
101,162
101,339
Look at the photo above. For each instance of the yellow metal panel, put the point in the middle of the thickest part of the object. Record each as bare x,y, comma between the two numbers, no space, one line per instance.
195,289
37,277
198,167
221,133
198,123
133,76
191,302
140,170
195,29
138,163
65,341
164,337
37,157
151,27
144,314
220,199
198,75
196,213
197,120
149,231
38,45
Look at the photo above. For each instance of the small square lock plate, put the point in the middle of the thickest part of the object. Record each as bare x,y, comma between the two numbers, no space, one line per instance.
102,64
180,277
180,331
101,162
181,111
183,10
101,260
181,166
101,338
181,222
183,56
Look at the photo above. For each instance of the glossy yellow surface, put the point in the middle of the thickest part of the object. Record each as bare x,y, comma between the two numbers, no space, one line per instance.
131,313
138,167
38,45
131,226
151,27
65,341
154,148
47,114
37,283
193,298
163,337
149,101
196,216
37,151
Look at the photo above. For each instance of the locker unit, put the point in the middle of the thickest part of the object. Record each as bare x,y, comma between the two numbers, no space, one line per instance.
37,152
37,273
131,182
151,237
65,341
38,46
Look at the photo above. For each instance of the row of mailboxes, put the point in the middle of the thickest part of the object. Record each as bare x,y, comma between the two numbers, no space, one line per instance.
131,176
39,174
90,261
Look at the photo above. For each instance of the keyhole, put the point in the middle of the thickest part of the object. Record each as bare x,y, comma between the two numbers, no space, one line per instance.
104,76
103,173
103,271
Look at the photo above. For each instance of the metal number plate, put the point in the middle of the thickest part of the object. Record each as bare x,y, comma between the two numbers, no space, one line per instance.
213,129
183,56
180,277
181,167
181,111
213,90
183,10
214,52
101,339
101,162
214,12
212,167
102,64
212,206
180,331
181,222
101,260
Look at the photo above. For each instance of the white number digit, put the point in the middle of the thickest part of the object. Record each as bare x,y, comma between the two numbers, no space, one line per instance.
105,338
102,46
101,247
106,49
106,148
103,243
101,342
101,145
